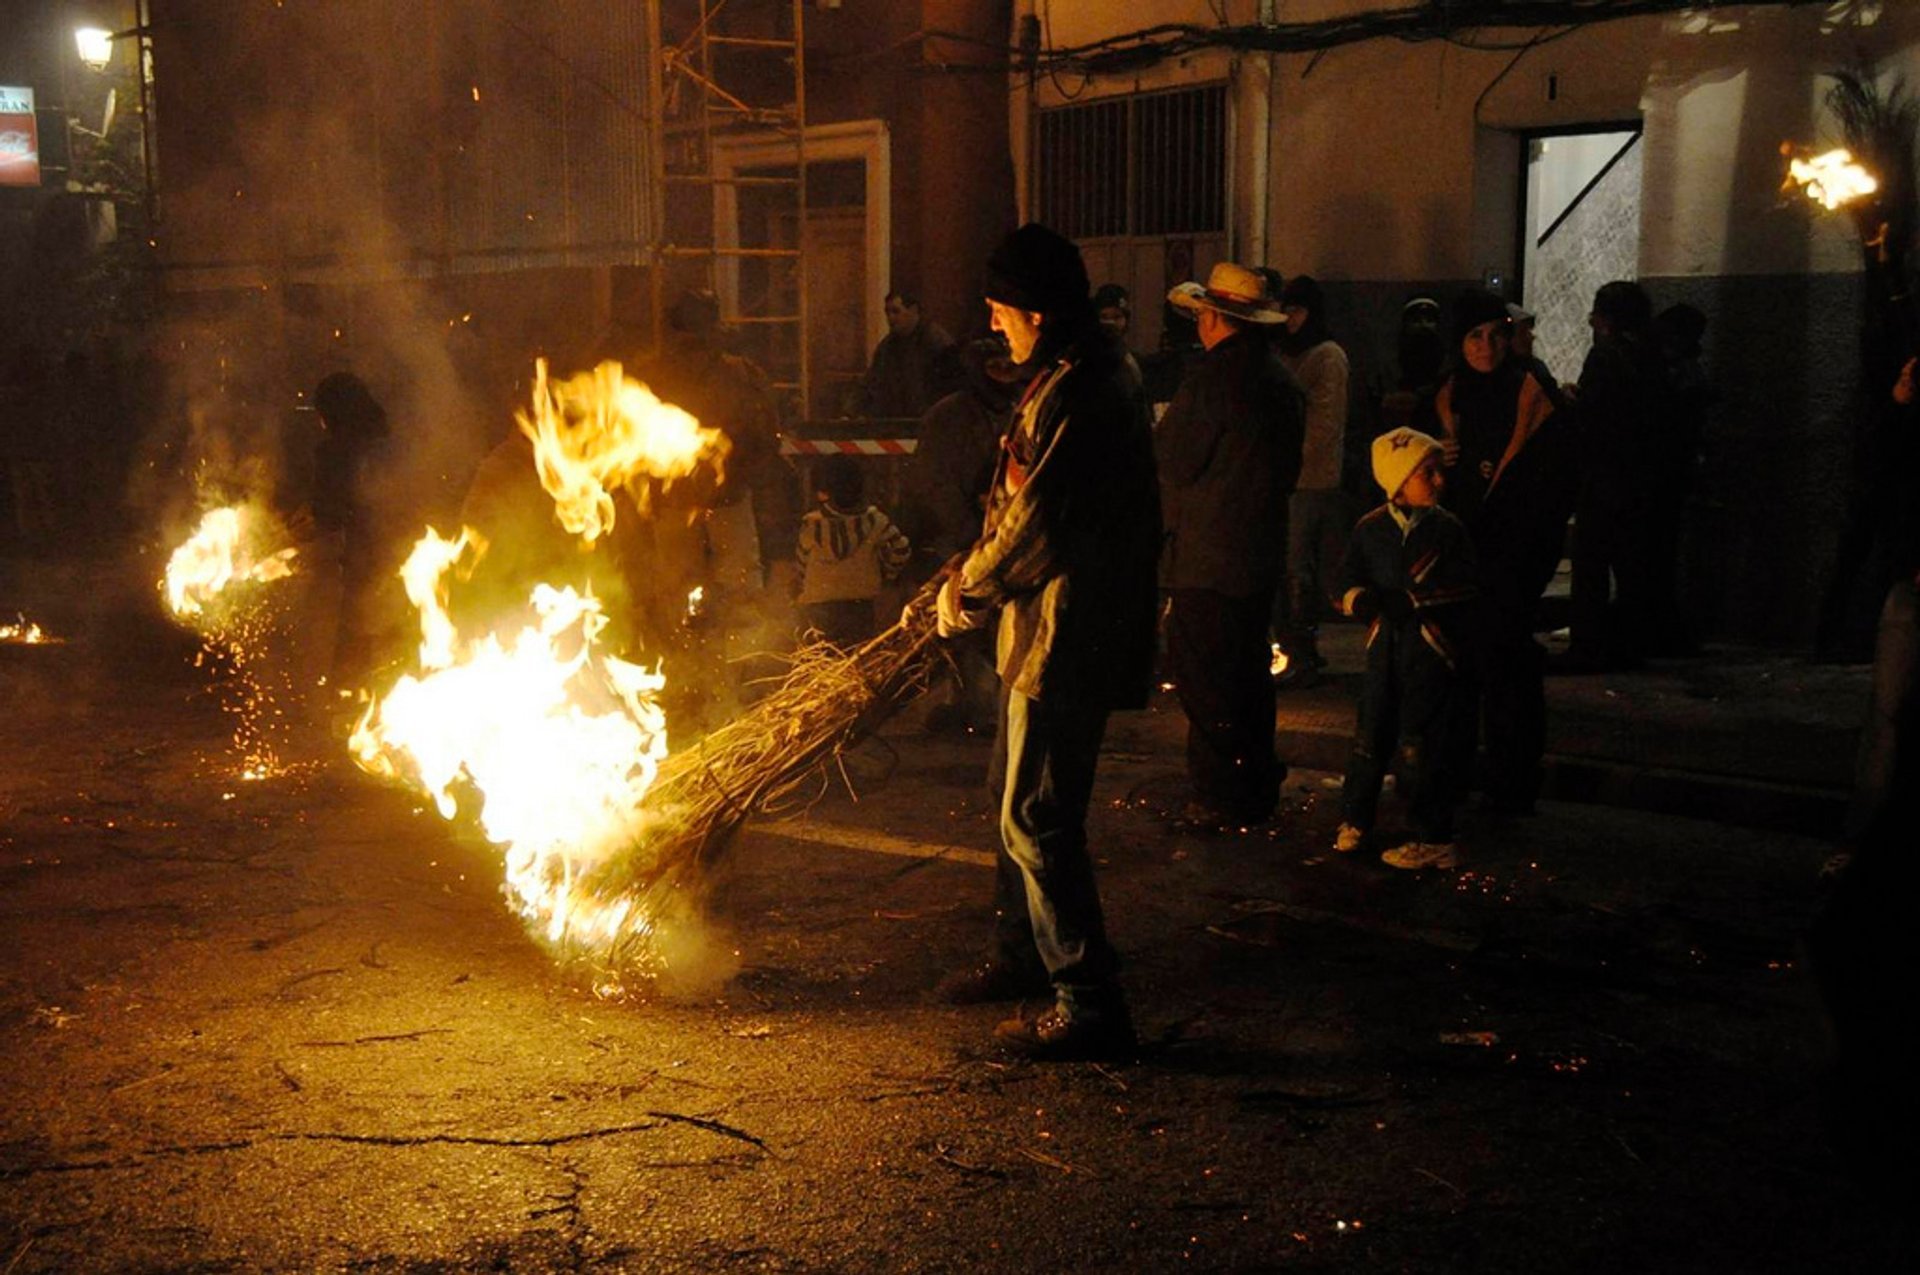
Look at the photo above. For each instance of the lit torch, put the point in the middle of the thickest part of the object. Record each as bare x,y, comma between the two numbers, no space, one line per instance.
1832,180
203,587
223,551
1835,181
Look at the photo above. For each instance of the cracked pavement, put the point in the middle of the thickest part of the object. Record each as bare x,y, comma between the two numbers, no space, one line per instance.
291,1026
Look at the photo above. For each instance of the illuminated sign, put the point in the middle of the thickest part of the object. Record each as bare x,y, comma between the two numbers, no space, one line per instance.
19,138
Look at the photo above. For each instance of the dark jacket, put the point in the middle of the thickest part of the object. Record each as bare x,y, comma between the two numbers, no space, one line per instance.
1229,456
1513,484
942,486
910,373
1072,530
1432,562
1624,406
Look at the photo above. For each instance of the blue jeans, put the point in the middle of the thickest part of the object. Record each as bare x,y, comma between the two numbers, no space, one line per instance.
1048,904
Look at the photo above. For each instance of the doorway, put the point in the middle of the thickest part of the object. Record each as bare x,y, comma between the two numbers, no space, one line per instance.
1580,228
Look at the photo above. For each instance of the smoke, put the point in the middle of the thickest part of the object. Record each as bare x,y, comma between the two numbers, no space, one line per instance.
696,957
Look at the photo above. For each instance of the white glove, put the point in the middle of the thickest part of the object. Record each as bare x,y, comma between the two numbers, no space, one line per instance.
950,616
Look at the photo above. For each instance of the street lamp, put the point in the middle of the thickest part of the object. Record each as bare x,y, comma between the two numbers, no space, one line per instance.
95,45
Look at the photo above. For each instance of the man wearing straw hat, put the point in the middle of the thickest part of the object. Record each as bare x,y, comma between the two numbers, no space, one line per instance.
1066,562
1229,452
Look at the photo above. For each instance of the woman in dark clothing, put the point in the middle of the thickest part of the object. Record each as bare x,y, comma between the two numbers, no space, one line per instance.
1511,482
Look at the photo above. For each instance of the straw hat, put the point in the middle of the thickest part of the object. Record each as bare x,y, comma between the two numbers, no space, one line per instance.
1233,290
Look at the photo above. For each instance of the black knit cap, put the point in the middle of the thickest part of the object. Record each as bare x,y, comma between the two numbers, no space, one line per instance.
1474,307
1035,269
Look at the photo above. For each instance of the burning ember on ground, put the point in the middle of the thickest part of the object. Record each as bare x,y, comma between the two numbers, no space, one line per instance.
547,738
1832,180
24,632
213,585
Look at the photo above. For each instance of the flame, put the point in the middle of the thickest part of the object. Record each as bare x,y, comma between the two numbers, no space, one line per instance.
222,551
1832,180
600,430
228,548
559,739
551,736
1278,664
25,632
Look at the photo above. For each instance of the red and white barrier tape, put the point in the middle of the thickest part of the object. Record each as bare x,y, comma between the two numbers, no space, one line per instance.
848,446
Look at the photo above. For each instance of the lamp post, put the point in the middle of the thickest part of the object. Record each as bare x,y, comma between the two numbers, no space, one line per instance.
95,45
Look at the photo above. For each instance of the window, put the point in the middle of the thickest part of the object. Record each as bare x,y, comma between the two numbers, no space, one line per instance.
1147,164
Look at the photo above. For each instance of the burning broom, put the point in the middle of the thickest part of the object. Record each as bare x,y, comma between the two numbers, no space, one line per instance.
563,745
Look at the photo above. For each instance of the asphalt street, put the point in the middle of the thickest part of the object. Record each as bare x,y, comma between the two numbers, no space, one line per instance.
291,1026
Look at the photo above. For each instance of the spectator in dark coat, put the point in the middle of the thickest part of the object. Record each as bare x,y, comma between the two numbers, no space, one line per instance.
1229,451
1623,407
914,365
1672,467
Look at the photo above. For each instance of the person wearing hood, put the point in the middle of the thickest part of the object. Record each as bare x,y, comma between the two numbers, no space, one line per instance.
1510,480
1065,565
1229,452
1321,514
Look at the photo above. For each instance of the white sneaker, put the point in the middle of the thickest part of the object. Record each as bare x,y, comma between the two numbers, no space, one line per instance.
1422,854
1348,839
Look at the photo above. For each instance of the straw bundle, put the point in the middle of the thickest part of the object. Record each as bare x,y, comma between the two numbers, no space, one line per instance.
828,701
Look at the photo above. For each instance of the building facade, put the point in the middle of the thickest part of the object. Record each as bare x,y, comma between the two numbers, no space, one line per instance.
1541,160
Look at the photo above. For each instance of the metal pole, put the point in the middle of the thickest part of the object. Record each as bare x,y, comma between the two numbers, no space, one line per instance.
800,231
656,192
143,56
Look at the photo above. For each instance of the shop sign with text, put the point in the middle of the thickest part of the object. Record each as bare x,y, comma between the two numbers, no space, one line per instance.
19,138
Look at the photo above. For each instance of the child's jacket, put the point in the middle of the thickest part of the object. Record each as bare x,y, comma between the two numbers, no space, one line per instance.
846,556
1428,555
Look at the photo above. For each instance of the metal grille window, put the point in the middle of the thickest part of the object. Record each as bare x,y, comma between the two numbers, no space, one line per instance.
1147,164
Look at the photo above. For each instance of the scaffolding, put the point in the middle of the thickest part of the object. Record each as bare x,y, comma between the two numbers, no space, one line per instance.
729,79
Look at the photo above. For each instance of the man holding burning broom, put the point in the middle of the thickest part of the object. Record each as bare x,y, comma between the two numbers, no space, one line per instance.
1066,561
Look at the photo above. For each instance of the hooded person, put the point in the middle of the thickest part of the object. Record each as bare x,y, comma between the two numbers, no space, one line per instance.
1321,514
1228,451
1064,566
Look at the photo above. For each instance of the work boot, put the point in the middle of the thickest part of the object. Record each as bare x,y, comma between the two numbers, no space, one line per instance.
989,982
1054,1037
